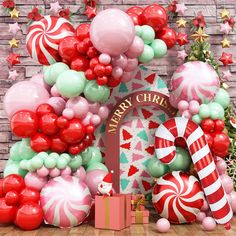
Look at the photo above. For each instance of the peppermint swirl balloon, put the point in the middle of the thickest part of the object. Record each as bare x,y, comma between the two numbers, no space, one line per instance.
66,201
194,80
44,37
178,197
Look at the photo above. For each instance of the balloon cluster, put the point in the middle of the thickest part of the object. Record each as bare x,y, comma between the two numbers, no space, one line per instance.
19,204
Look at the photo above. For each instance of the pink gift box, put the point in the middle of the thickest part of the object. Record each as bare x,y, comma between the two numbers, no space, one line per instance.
136,199
140,217
113,212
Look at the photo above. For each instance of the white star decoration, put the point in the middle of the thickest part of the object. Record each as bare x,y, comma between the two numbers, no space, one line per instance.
227,75
13,75
14,28
181,8
55,7
225,28
182,54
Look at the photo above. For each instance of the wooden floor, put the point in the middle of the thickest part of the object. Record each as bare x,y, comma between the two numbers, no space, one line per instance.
136,230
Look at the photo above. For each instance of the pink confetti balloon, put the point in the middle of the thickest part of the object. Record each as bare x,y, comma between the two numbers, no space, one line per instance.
194,81
33,180
66,201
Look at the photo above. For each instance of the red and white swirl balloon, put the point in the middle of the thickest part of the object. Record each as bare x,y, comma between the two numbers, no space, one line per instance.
178,197
44,37
66,201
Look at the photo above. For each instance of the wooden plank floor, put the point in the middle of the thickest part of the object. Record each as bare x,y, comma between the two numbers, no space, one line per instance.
135,230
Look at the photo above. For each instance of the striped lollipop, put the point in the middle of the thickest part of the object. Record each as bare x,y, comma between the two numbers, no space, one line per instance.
178,197
66,201
194,80
44,37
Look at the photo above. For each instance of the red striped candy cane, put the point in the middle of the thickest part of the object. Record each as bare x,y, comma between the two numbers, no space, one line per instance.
202,158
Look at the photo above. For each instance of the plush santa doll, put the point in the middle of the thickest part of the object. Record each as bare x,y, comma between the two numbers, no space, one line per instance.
105,187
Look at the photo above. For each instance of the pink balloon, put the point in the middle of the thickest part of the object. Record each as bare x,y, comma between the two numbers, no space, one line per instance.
186,114
43,171
194,107
68,113
200,216
81,173
93,178
208,224
120,61
54,172
25,95
228,196
233,201
136,48
205,206
33,180
38,79
54,91
132,64
103,112
117,72
112,31
66,171
127,76
221,166
94,107
87,119
183,105
227,183
104,58
96,120
173,100
58,103
79,105
163,225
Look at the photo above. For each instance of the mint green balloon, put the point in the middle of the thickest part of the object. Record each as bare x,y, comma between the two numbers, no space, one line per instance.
54,155
217,111
138,30
182,160
25,151
222,97
14,152
62,163
70,83
197,119
97,166
204,111
66,156
156,168
36,162
148,34
159,47
75,162
147,55
96,155
42,155
24,164
50,162
96,93
14,168
86,155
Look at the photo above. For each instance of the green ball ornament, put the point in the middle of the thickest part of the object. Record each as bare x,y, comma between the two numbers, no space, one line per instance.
147,55
96,155
61,163
204,111
50,162
25,151
36,162
70,83
14,152
96,93
159,47
182,160
75,162
217,111
197,119
51,74
222,97
148,34
138,30
156,168
14,168
97,166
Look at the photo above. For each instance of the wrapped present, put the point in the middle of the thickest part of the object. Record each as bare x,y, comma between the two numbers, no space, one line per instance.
140,217
113,212
138,202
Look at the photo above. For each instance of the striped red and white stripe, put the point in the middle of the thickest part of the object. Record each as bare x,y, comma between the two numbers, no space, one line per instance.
44,37
202,158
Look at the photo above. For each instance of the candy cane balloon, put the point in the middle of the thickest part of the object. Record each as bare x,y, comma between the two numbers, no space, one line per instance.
202,158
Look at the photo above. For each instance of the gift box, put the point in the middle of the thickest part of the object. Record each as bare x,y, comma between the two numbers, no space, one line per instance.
140,217
113,212
138,202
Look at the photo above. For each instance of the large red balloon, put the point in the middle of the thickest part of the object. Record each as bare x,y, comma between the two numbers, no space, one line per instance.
168,35
48,124
135,18
82,31
24,123
74,133
57,145
13,182
43,109
29,194
7,213
29,216
2,194
136,10
220,144
80,64
155,16
40,143
67,48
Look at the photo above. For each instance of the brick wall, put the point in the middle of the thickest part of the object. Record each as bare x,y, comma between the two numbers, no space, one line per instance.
165,67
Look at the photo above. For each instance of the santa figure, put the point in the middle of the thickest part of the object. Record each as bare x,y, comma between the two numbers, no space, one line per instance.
105,187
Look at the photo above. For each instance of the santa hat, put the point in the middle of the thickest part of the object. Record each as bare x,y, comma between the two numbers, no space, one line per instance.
108,178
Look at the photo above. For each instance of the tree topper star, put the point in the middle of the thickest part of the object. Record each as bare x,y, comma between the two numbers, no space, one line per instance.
225,14
14,43
90,12
226,58
181,8
200,36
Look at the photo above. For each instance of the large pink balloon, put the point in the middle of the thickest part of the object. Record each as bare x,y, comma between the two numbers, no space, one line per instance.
112,31
38,79
25,95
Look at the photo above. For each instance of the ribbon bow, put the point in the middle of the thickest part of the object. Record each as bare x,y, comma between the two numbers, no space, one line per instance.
140,201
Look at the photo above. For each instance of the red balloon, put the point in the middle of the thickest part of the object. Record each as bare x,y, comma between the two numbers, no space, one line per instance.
24,123
90,129
48,124
92,52
62,122
29,194
155,16
57,145
220,144
136,10
93,62
82,48
87,42
7,213
102,80
67,48
74,133
82,31
99,70
44,109
12,198
113,82
2,194
29,216
89,74
88,140
208,125
209,139
80,64
168,35
13,182
219,125
135,18
40,143
108,70
75,149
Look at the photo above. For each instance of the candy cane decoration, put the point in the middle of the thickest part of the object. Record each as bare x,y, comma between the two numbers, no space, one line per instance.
202,158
